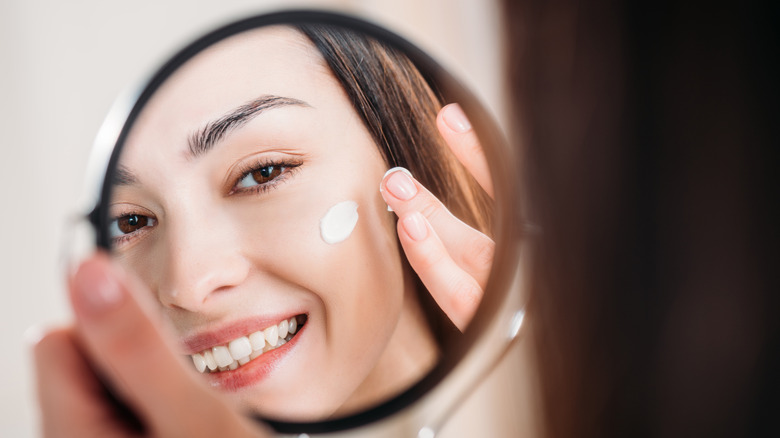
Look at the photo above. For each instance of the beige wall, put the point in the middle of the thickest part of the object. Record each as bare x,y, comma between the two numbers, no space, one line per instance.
63,63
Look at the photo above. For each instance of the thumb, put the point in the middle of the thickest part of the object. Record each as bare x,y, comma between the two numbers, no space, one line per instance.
116,324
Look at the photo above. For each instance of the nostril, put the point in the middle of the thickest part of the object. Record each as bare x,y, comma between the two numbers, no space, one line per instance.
223,289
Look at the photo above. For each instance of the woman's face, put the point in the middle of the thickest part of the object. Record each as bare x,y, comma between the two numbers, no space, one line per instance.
224,182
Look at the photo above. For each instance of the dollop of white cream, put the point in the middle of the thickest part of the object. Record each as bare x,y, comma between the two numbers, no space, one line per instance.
339,222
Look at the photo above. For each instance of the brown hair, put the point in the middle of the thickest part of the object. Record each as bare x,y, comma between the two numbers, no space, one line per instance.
647,131
399,109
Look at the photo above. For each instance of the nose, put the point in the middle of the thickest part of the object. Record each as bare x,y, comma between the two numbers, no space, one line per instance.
204,258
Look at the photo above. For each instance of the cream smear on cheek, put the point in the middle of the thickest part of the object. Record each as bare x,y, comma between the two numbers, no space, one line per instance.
339,222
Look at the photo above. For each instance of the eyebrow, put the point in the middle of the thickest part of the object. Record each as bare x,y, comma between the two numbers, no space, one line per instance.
122,176
205,138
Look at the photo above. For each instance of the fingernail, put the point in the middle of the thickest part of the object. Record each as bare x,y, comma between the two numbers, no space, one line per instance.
455,118
95,288
414,224
35,333
397,169
394,169
400,184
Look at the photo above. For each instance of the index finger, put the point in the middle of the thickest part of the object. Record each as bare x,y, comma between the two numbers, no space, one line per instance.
459,135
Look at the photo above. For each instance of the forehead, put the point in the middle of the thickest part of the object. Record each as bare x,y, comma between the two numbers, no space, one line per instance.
275,60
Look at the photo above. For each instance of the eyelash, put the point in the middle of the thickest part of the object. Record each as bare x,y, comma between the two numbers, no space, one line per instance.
288,168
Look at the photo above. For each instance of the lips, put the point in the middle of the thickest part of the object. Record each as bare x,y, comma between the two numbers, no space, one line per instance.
242,350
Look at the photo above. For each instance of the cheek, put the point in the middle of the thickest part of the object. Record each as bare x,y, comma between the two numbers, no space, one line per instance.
358,282
321,244
340,246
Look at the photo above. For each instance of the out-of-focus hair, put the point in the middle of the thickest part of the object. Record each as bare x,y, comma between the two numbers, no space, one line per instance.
399,109
647,131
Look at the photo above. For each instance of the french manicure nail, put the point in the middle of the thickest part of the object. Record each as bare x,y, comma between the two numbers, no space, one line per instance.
95,289
391,170
400,184
455,118
414,224
397,169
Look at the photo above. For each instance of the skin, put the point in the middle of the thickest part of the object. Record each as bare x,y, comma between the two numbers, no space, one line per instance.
118,332
219,252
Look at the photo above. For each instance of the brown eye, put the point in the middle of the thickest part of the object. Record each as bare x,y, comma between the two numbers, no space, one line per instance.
129,224
260,176
267,173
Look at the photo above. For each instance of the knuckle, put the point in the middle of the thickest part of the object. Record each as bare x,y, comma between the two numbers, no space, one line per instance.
466,295
427,258
430,207
480,256
473,146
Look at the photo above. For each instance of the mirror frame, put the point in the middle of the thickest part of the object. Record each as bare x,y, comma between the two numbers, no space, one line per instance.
501,158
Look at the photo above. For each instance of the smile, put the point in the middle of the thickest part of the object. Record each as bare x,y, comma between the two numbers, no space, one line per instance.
242,350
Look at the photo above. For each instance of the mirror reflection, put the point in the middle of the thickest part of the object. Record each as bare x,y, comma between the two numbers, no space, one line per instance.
316,228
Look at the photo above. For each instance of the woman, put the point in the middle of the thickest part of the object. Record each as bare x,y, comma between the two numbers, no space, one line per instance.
656,319
220,204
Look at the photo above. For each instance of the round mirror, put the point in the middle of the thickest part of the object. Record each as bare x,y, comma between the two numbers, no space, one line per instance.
313,201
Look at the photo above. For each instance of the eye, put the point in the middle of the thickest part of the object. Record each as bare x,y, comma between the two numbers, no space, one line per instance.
260,176
130,224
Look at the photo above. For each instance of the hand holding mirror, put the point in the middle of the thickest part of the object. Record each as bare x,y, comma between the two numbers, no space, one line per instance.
248,189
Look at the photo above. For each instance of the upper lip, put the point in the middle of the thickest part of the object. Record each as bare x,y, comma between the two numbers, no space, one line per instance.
233,330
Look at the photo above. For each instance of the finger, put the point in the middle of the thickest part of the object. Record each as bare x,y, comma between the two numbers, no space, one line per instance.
71,399
469,249
113,313
456,292
456,129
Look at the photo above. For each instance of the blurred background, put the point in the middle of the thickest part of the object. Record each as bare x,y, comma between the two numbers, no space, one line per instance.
64,63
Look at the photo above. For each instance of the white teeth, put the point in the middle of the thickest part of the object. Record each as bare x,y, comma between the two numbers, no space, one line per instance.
222,356
283,328
240,351
200,362
210,362
240,347
271,335
257,339
293,325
